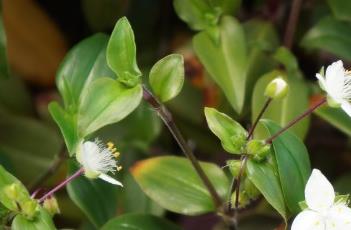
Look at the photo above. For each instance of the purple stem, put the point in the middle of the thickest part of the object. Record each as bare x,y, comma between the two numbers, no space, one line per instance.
62,184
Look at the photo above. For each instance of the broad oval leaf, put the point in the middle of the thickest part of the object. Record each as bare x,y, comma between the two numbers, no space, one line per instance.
293,165
198,14
263,176
231,133
341,9
84,62
106,101
283,110
167,77
42,221
173,183
226,59
67,124
121,53
96,198
139,222
330,35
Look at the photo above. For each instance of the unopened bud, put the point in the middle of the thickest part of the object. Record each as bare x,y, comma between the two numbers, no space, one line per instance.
12,191
51,206
277,88
29,208
238,142
244,200
250,189
234,167
258,149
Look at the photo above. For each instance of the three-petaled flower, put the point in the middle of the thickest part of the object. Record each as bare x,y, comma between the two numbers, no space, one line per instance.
98,160
323,212
337,84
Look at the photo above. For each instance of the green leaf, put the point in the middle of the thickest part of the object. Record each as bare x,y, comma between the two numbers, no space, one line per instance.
139,129
264,177
139,222
173,183
226,59
230,6
262,39
134,200
198,14
284,56
231,133
341,9
96,198
106,101
28,141
167,77
84,63
42,221
7,179
67,124
4,69
121,53
336,117
293,165
330,35
283,110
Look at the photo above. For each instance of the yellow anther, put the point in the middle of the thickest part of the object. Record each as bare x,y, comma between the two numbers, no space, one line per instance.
110,145
116,154
113,150
119,168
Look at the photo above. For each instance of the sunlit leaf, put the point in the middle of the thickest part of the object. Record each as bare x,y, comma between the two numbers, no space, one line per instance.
231,133
173,183
167,77
226,59
121,53
106,101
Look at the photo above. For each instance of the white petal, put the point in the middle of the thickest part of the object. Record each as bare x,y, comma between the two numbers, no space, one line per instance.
308,220
339,218
346,106
321,81
109,179
319,193
335,76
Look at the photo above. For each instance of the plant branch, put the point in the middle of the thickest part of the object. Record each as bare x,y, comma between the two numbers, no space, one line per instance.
292,22
62,184
264,108
167,119
50,171
296,120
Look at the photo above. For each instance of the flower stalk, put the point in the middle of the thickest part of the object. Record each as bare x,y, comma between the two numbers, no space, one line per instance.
62,184
296,120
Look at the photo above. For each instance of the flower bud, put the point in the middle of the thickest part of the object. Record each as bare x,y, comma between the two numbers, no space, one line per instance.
29,208
258,149
51,206
12,191
250,189
277,88
234,167
238,141
244,200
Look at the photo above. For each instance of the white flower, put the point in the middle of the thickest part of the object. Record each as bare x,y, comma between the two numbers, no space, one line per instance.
323,213
98,160
337,84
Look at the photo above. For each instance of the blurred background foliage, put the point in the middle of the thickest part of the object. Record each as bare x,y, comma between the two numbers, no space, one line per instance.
40,32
